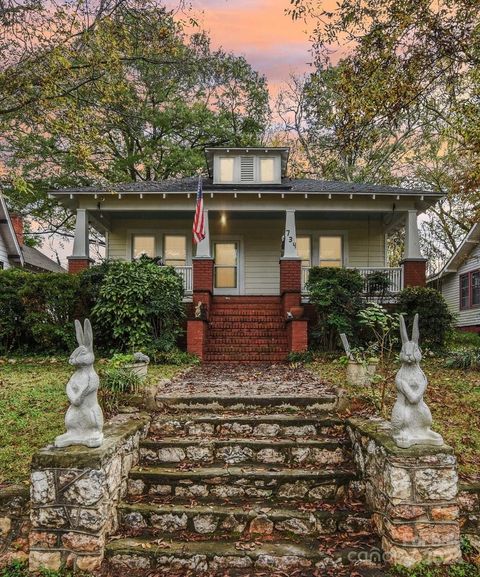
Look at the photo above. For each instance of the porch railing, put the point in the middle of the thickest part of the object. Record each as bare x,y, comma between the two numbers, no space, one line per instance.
394,276
186,272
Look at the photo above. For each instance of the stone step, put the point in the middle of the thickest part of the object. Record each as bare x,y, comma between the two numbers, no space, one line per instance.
242,483
131,555
236,521
251,425
245,451
321,403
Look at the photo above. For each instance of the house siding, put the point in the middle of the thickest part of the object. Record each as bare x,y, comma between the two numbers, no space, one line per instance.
3,254
451,291
260,238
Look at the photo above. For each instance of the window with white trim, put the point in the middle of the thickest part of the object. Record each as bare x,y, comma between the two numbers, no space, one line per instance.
175,250
143,245
304,250
330,251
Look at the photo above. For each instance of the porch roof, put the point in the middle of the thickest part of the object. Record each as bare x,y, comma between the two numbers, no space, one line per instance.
288,186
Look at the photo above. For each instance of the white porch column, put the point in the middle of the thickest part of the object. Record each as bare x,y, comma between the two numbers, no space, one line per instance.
203,247
412,240
290,235
81,245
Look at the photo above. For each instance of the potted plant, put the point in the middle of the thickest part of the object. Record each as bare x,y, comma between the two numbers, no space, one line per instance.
361,364
137,363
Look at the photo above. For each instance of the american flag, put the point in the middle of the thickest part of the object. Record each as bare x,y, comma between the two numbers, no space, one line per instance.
199,220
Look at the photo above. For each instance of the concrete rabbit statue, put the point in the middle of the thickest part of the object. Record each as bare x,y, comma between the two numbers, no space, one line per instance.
84,418
411,418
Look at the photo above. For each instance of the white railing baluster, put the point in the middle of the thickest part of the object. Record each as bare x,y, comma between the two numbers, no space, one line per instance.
186,272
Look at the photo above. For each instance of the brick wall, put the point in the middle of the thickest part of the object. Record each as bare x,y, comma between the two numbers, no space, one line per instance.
414,272
290,276
78,264
203,274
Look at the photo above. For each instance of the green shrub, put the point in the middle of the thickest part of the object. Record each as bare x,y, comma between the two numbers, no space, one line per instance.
115,384
38,311
175,357
464,339
463,359
436,320
139,306
336,295
13,313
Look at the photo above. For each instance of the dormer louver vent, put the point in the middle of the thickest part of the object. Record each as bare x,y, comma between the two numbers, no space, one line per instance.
247,169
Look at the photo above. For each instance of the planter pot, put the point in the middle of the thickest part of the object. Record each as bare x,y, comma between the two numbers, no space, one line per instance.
139,369
359,374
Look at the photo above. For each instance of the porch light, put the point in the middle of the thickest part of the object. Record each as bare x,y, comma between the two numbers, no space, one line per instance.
223,219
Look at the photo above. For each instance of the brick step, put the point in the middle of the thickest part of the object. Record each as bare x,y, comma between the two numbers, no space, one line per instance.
240,358
246,308
183,451
211,484
252,425
131,556
246,332
253,299
250,319
323,402
259,345
223,349
238,521
247,325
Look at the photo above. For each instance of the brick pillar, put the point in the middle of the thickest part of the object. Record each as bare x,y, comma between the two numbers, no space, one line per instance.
290,283
197,337
297,333
414,272
78,264
203,269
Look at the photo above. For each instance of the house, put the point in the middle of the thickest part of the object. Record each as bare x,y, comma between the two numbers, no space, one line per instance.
264,232
14,252
459,282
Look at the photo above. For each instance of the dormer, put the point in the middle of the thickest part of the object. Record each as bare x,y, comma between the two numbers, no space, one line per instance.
247,166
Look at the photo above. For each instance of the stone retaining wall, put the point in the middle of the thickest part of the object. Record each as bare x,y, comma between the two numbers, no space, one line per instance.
412,493
14,523
75,492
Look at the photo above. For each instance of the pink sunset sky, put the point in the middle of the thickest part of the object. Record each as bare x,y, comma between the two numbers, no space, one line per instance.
259,30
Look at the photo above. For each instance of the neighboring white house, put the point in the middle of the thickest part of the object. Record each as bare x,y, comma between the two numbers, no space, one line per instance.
13,251
459,282
10,251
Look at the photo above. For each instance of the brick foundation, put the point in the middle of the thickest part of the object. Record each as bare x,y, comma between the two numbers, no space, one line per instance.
78,264
414,272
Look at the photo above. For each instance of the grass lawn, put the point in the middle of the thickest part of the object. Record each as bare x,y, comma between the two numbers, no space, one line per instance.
32,410
453,396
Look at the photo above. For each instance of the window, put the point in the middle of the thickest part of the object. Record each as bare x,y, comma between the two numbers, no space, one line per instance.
330,251
470,289
226,265
304,250
267,169
143,245
175,250
226,167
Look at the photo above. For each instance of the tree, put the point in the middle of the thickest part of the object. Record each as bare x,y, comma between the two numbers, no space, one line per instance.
158,98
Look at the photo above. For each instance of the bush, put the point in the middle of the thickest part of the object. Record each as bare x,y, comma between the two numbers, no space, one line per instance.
139,306
38,311
175,357
436,320
463,359
336,295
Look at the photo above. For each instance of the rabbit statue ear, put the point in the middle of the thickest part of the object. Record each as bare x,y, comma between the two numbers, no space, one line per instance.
403,330
88,334
79,332
415,330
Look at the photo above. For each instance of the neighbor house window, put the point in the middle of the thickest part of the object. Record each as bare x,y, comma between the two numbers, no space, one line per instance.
330,251
143,245
304,250
175,250
470,289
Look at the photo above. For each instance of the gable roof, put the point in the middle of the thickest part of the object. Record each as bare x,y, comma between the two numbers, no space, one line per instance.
471,240
295,185
37,261
8,233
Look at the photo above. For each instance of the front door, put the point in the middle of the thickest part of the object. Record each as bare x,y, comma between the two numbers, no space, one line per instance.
226,278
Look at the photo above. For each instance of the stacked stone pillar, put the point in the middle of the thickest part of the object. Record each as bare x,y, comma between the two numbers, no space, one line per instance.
412,493
75,492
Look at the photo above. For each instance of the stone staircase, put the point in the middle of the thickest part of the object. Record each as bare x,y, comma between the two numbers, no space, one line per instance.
247,329
233,485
